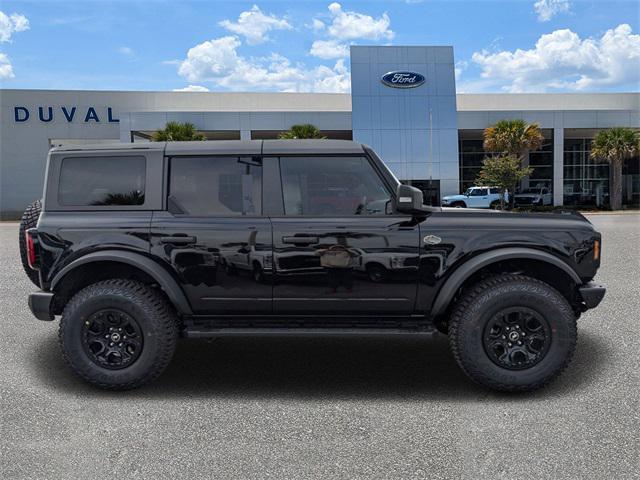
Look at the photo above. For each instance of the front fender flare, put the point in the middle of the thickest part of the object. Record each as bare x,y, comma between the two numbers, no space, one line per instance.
168,284
468,268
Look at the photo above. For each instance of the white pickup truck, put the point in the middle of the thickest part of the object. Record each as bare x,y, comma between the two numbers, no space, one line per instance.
475,197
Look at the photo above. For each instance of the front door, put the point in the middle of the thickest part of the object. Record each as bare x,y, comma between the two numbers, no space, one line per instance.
213,234
338,248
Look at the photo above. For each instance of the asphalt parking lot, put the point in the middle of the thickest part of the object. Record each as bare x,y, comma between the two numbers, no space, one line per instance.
303,408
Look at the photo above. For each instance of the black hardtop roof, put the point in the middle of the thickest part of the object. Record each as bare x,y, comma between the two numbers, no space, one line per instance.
230,147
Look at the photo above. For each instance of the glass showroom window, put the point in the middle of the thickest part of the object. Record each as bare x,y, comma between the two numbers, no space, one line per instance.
586,181
472,154
542,163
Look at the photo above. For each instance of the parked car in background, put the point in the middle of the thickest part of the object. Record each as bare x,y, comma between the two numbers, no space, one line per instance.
534,196
475,197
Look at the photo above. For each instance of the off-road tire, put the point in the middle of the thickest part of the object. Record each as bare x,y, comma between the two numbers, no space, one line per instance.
29,220
154,315
495,205
478,305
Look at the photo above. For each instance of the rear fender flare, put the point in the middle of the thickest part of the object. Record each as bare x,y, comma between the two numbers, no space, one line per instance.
168,284
468,268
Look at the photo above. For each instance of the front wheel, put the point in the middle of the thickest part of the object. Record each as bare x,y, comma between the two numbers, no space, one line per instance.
118,334
513,333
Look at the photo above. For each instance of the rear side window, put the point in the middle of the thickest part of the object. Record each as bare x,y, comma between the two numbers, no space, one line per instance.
212,186
102,181
495,191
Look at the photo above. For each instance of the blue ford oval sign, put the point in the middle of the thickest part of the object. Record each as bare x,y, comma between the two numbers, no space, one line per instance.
402,79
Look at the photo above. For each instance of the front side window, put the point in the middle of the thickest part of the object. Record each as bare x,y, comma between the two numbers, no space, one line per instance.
210,186
102,181
477,192
332,186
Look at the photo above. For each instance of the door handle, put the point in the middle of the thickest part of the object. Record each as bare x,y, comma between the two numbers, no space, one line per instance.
179,240
300,240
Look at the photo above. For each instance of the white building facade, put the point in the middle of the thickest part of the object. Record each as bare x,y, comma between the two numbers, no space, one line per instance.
425,132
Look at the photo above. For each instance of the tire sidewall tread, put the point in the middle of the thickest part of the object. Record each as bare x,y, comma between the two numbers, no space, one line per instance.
486,298
29,220
151,311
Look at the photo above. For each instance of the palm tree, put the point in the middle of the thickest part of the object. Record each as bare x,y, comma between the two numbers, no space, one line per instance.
615,145
513,138
177,132
304,130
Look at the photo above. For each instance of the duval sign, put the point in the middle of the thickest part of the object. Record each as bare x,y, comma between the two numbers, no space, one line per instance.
402,79
66,113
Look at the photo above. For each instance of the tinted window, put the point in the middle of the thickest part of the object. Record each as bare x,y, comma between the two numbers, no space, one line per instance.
477,192
332,186
102,181
205,186
495,191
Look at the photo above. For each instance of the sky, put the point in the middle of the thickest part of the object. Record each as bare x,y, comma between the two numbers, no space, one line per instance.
303,46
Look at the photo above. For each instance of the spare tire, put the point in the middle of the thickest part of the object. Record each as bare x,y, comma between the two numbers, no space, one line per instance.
29,220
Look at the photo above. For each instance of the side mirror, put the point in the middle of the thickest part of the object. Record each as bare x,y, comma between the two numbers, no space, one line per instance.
408,199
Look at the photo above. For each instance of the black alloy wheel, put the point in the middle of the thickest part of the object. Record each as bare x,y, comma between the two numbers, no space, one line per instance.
517,338
112,339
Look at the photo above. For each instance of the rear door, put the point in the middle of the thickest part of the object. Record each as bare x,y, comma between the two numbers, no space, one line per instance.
338,248
213,234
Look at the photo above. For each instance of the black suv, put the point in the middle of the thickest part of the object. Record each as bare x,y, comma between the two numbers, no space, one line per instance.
137,245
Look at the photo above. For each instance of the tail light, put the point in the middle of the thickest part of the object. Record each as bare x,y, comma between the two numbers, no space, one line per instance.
32,254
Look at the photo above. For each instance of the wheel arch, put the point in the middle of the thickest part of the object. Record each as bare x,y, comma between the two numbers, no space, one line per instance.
112,264
545,266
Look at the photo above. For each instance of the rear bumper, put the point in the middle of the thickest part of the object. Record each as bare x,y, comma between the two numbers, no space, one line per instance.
40,305
592,294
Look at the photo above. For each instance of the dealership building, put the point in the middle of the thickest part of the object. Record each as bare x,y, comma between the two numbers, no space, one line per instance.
424,131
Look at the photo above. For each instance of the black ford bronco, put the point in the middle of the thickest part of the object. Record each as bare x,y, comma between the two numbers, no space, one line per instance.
137,245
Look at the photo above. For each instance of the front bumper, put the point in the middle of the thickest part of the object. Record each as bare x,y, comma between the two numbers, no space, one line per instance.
40,305
592,294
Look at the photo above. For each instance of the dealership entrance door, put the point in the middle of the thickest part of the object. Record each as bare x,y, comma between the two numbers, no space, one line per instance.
430,190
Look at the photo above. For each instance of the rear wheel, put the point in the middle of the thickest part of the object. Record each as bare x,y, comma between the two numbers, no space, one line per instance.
29,220
495,205
513,333
118,334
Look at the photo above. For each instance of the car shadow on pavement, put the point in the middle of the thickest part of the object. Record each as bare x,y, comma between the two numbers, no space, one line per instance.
309,368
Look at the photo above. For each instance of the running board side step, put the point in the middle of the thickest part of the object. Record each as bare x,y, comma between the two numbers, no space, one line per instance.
305,332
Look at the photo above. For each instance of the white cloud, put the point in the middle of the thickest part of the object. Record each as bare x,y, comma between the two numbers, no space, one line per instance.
347,26
10,24
562,60
460,67
254,25
218,61
6,70
317,25
192,88
127,51
327,49
547,9
353,25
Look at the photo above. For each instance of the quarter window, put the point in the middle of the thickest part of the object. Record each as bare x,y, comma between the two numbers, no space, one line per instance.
332,186
211,186
102,181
